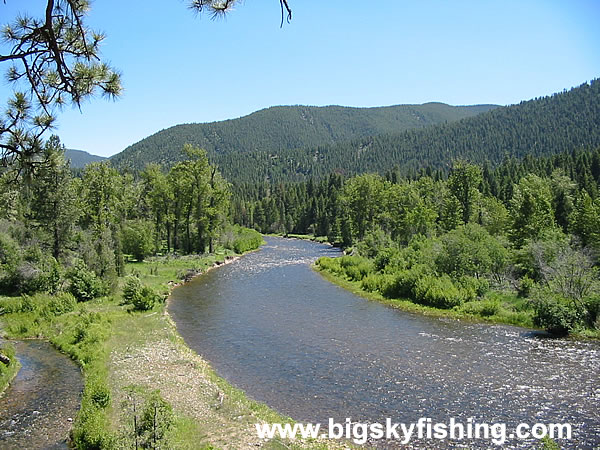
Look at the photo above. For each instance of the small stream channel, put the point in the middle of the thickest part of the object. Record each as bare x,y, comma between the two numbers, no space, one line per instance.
37,409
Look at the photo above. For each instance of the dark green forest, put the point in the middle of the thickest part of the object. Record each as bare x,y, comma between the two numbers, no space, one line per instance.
550,125
272,130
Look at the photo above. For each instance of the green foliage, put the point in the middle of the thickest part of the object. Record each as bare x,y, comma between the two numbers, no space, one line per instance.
463,182
531,209
483,308
439,292
60,304
143,298
138,239
149,419
155,421
84,284
526,286
241,240
555,313
98,392
9,262
471,250
402,284
8,371
592,305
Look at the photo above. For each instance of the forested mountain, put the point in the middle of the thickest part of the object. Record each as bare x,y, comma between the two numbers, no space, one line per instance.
79,159
288,127
544,126
294,143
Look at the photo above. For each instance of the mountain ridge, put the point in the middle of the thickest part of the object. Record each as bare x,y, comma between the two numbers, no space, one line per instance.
289,127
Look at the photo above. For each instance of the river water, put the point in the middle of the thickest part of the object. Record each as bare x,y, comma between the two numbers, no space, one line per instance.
46,393
275,328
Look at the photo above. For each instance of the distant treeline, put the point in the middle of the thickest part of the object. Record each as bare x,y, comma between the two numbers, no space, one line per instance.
322,207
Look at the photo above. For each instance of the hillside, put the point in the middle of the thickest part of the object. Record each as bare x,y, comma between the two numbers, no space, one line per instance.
288,127
79,159
545,126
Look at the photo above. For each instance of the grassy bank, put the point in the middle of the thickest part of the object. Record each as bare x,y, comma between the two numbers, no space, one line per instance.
136,366
506,314
8,372
493,307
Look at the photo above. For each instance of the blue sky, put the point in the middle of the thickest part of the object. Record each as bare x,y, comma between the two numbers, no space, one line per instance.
180,68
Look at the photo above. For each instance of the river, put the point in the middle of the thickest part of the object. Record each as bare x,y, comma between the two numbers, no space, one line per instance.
273,327
37,409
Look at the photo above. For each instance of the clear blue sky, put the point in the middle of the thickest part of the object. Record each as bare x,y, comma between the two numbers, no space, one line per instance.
179,68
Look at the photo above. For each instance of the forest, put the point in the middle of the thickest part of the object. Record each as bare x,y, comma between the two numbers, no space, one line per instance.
544,126
286,127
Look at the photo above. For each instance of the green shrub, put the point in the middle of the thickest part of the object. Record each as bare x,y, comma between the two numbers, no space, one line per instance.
240,239
137,238
143,298
330,264
155,421
99,393
402,283
358,269
84,284
28,304
556,314
592,305
10,259
473,287
439,292
372,282
10,305
132,289
91,430
146,300
483,308
525,286
40,273
61,304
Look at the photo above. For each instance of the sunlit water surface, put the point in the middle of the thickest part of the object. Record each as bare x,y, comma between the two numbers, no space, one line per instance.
275,328
37,409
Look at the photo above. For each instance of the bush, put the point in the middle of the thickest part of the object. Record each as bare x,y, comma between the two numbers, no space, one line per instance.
372,282
473,287
484,308
592,305
84,284
526,286
240,239
9,261
439,292
61,304
330,264
356,267
143,298
556,314
402,283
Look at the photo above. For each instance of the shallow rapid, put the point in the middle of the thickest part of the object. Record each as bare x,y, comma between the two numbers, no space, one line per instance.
37,409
